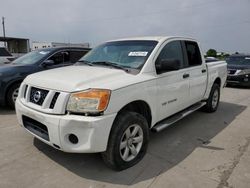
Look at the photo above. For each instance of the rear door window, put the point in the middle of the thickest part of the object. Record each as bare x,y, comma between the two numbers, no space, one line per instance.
193,53
76,55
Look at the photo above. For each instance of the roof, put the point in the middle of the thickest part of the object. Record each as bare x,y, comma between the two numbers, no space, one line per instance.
11,38
155,38
240,55
64,47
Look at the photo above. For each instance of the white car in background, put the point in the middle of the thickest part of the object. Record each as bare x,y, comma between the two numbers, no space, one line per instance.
5,56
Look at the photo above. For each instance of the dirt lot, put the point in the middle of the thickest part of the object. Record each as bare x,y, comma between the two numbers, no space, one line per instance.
202,150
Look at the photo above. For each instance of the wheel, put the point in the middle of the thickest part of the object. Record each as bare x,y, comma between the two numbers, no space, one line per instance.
213,100
12,95
128,141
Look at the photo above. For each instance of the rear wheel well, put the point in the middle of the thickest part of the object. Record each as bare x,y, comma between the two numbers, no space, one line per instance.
140,107
218,81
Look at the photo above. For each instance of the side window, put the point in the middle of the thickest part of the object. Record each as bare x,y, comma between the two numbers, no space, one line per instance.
172,51
60,57
66,57
193,53
76,55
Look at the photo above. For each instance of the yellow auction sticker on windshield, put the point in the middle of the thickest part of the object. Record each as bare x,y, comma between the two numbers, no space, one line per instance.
140,54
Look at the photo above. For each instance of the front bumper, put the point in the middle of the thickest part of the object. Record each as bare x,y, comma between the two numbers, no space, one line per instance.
243,80
92,132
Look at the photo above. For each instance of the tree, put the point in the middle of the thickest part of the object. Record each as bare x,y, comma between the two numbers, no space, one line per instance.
211,53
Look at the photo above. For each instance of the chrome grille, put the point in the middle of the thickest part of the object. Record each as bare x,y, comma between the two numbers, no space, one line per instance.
37,96
231,71
44,100
25,91
53,102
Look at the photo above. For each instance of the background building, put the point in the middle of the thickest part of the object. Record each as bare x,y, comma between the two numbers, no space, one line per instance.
16,46
40,45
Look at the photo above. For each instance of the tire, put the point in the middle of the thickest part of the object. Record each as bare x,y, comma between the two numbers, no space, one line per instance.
213,100
120,142
12,95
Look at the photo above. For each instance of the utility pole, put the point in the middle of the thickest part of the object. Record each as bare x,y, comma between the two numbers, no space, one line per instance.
3,31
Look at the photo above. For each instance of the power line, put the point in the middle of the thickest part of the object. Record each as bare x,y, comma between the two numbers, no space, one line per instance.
3,18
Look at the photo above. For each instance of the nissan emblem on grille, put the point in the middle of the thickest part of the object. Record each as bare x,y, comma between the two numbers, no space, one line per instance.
37,96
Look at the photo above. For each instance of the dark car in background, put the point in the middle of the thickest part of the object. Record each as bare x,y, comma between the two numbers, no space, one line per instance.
12,74
211,59
238,66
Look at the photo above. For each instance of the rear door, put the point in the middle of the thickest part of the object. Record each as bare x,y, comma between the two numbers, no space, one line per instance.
197,71
172,86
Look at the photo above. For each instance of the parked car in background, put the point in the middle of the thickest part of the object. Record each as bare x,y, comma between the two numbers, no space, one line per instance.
110,100
11,75
238,69
211,59
5,56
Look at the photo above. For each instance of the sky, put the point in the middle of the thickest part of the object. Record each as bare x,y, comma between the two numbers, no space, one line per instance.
220,24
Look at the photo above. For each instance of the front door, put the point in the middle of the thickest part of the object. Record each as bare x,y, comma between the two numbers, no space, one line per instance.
173,86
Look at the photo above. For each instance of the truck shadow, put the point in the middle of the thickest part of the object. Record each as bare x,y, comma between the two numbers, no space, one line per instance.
237,87
166,149
6,111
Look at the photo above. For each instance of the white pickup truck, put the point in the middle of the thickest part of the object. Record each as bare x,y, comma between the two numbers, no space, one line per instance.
110,100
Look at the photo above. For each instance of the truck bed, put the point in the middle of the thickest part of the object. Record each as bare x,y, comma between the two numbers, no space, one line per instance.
214,70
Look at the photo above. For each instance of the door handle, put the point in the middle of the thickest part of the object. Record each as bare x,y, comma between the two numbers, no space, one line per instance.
185,75
203,70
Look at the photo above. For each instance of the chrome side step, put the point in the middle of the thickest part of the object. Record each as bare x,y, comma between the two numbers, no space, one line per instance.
176,117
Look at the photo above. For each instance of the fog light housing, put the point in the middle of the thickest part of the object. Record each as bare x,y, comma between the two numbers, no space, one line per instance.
73,138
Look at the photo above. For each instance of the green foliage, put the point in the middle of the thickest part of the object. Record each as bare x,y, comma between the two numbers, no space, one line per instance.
211,53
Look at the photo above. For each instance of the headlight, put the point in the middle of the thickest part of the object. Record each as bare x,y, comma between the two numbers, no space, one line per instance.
245,71
89,101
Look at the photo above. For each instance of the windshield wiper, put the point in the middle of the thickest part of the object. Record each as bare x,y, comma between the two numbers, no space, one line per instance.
107,63
85,62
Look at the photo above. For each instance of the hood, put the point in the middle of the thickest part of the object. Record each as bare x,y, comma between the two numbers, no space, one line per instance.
9,71
77,78
238,67
9,67
5,66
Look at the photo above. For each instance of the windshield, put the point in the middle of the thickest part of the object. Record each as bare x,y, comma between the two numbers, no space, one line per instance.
130,54
32,57
241,60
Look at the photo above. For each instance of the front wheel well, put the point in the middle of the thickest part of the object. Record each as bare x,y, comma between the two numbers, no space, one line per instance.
140,107
9,86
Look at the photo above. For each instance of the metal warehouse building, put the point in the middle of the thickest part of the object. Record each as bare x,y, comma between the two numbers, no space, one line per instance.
16,46
40,45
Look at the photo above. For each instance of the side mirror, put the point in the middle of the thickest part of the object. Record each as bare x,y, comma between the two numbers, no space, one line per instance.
166,65
47,63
